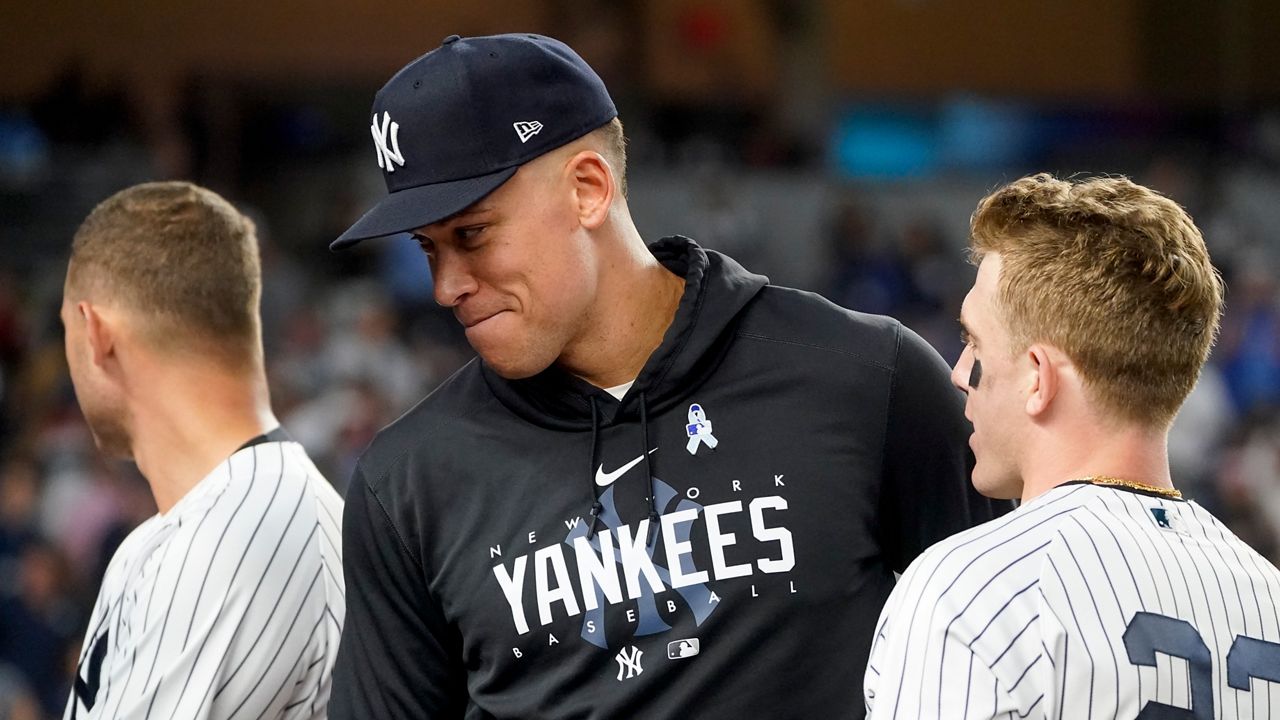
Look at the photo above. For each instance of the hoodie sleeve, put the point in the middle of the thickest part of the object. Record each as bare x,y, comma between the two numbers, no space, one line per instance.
399,657
926,493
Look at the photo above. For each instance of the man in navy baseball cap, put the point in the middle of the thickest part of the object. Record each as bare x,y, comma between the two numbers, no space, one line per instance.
552,532
459,121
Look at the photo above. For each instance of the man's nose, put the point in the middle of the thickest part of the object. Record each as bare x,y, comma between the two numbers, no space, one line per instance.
453,280
960,372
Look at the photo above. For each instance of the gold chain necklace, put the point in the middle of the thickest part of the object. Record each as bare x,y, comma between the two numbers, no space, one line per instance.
1108,481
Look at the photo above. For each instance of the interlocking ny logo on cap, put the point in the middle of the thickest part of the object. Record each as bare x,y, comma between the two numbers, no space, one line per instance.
527,129
388,158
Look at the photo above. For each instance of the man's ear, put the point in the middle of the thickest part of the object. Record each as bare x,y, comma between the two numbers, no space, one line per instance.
1043,378
99,332
593,186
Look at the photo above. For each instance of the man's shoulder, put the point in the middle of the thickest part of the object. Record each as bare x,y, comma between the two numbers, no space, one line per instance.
232,526
1007,551
258,476
806,319
139,541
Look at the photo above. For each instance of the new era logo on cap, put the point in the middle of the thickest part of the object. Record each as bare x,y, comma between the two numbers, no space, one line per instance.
527,130
443,125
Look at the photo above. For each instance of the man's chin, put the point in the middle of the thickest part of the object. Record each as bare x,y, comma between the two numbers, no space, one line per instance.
512,370
997,489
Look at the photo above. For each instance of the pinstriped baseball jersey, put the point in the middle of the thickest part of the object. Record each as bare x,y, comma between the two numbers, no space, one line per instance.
229,605
1087,602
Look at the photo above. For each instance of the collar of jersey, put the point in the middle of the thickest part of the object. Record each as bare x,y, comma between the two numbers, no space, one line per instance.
204,493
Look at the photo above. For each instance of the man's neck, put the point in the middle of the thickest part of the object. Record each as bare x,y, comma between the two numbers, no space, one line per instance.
637,304
182,434
1134,454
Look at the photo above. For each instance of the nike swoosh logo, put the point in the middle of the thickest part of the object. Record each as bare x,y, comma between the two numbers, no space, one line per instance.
605,479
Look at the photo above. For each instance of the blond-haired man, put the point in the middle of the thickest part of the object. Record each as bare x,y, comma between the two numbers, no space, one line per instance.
230,601
1106,594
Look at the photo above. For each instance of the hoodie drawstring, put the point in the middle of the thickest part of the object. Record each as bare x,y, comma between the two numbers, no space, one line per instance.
648,470
596,507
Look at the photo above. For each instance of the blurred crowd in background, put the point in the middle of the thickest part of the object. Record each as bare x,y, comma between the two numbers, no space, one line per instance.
863,197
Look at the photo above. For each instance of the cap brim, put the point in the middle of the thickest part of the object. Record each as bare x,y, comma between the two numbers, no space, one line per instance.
414,207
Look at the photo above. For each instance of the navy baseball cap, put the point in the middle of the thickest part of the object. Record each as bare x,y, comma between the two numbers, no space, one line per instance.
456,123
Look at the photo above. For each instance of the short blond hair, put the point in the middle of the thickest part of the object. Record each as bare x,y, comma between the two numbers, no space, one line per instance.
1115,275
181,257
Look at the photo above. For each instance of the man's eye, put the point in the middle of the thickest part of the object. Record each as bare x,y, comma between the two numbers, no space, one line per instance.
470,232
426,244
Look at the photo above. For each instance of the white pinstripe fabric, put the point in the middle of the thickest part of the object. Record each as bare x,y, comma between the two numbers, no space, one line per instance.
1026,616
230,605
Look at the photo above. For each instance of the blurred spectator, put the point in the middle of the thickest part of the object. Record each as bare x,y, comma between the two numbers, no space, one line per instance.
297,370
285,295
867,276
338,424
12,347
1250,484
19,498
40,623
912,275
40,387
1196,440
24,151
342,380
363,346
70,487
938,280
1249,348
17,702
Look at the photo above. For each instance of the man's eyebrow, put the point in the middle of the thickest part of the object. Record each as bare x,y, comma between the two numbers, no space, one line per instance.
965,330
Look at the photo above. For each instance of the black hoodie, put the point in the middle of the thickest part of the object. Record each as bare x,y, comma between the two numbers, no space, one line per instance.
504,559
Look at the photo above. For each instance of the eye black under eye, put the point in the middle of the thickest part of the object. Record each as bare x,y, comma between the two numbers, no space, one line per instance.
975,373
